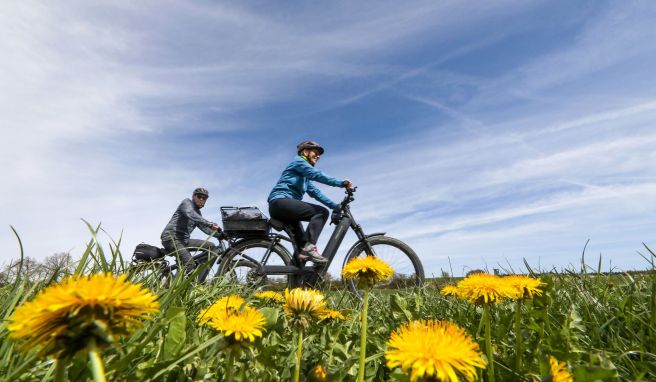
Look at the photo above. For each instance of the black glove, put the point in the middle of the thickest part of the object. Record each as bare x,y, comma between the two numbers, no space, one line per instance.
336,216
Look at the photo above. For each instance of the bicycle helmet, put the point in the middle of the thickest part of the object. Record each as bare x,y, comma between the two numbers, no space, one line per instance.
201,191
309,145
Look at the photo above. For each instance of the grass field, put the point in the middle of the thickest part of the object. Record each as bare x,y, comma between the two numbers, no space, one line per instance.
602,325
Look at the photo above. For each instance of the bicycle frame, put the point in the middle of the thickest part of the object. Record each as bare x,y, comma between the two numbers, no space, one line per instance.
346,221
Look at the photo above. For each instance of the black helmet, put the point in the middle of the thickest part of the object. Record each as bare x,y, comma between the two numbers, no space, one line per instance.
309,145
201,191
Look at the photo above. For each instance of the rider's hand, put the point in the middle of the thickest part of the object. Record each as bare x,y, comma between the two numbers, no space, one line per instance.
347,183
336,215
219,234
215,227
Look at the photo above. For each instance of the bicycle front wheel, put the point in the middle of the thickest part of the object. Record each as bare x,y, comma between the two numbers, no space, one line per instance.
242,265
408,271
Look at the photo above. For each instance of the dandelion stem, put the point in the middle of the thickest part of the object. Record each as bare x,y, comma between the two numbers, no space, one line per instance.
297,370
518,335
97,368
60,370
488,342
363,336
230,362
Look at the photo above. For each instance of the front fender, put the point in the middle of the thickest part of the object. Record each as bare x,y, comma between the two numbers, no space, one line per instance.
348,254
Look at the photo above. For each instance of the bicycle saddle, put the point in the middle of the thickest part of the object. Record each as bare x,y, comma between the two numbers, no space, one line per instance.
276,224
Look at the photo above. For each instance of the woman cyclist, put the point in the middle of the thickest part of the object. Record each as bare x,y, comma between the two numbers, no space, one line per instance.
285,200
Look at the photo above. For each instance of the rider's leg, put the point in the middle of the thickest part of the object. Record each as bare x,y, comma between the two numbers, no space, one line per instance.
203,244
206,246
314,228
294,211
179,248
317,222
299,234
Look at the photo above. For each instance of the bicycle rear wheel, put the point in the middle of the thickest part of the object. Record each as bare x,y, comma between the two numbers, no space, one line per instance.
200,256
242,264
147,272
408,271
209,263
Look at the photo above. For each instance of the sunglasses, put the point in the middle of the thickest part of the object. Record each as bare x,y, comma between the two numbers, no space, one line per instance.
201,197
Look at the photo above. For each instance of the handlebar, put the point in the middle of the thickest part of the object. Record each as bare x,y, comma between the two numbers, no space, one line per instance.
349,197
220,235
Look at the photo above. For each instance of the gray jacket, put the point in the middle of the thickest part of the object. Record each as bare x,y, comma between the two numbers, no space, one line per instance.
184,220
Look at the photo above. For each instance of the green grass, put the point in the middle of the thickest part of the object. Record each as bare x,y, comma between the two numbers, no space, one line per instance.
603,326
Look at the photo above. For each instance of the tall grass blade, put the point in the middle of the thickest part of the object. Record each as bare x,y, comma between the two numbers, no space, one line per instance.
20,247
101,254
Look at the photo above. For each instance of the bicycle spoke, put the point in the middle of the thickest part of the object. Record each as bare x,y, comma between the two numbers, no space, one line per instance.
242,266
408,272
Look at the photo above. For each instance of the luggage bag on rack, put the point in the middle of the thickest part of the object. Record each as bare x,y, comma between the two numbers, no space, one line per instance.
244,222
146,252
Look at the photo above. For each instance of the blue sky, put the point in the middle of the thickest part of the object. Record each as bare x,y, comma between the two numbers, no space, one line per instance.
481,133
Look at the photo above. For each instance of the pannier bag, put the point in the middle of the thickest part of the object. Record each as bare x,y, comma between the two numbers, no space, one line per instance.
244,221
146,252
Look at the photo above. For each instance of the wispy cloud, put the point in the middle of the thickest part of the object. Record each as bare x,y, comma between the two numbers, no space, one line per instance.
612,40
113,112
487,194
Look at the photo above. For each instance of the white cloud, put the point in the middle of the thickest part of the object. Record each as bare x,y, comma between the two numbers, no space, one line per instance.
619,33
97,100
486,195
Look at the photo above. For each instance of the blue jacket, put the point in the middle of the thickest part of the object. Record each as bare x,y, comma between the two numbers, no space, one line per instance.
295,181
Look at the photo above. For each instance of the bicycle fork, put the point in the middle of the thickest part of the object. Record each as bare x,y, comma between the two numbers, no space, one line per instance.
362,238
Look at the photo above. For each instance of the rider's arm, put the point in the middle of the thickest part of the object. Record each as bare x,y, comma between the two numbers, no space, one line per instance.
190,212
318,195
305,169
208,230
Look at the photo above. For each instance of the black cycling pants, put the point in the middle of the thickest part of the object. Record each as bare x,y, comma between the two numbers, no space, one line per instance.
182,248
293,212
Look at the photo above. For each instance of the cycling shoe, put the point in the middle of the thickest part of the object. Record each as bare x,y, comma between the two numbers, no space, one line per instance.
311,253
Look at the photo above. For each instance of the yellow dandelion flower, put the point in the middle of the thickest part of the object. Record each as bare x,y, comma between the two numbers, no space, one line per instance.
303,305
269,295
367,270
434,349
238,325
63,318
559,371
449,290
318,374
300,300
221,306
523,286
332,315
484,287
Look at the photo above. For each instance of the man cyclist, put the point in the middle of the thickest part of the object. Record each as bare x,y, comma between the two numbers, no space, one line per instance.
175,237
285,199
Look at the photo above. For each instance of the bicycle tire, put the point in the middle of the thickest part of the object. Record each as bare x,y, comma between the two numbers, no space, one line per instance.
211,271
146,272
236,268
408,270
167,274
